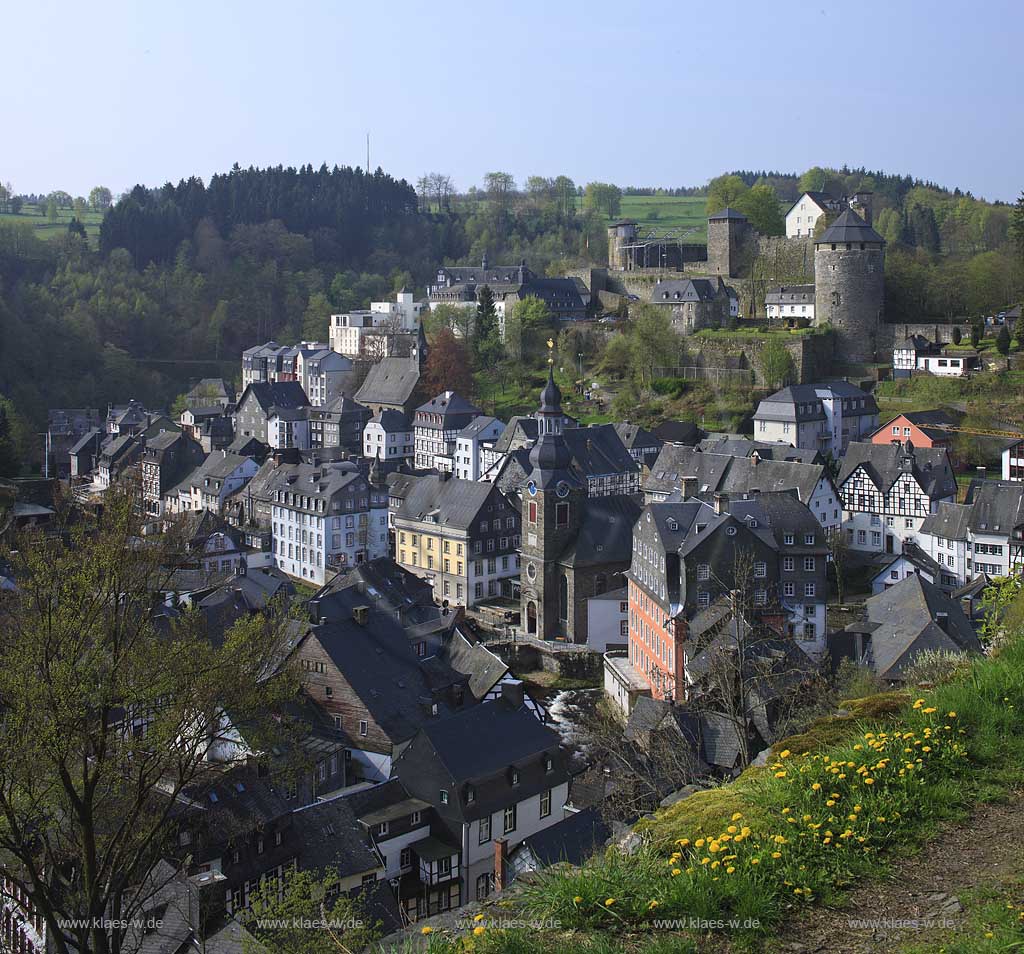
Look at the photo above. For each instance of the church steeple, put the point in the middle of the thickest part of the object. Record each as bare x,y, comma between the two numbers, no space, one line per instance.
550,458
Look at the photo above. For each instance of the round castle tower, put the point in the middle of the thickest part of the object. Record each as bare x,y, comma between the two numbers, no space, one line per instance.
849,285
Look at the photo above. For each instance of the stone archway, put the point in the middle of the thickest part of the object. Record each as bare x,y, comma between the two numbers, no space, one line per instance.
531,618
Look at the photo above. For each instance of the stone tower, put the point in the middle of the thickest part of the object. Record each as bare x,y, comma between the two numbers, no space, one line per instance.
729,235
553,502
849,285
620,234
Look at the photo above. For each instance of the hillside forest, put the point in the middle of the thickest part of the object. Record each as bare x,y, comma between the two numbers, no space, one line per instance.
179,279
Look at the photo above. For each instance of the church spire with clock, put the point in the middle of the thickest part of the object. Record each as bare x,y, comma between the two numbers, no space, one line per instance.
553,501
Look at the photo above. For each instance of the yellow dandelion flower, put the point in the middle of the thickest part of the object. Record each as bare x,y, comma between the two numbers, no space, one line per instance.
652,905
919,703
699,843
780,774
676,872
732,829
830,802
776,854
816,787
478,918
577,899
869,781
683,841
608,902
786,811
784,754
757,861
951,715
736,816
730,869
427,930
929,710
479,929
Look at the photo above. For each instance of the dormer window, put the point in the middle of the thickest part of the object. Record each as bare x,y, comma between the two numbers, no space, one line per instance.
443,795
470,795
513,776
547,762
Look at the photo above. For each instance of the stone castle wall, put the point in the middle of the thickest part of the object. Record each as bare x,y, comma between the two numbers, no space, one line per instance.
812,354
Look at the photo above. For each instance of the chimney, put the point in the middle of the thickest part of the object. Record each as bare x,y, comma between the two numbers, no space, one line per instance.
500,863
720,501
361,614
513,693
205,901
689,485
942,621
755,459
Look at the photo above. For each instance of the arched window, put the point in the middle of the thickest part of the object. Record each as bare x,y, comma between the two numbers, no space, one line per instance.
563,598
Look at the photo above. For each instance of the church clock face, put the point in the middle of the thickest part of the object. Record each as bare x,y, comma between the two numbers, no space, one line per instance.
531,570
562,489
532,488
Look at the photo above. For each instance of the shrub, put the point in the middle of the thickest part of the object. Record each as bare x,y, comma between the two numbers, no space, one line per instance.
670,387
935,667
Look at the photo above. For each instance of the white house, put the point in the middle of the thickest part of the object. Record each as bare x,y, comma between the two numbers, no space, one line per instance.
889,490
325,516
1013,461
805,212
608,620
363,333
948,364
478,433
823,417
388,436
790,302
213,481
323,373
288,427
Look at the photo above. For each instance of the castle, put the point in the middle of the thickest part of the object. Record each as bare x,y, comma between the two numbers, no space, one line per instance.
848,266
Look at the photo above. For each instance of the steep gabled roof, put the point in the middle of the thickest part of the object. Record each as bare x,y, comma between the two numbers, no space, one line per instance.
450,501
885,463
281,394
389,381
906,616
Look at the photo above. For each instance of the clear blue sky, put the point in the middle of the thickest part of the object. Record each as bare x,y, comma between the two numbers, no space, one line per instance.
662,92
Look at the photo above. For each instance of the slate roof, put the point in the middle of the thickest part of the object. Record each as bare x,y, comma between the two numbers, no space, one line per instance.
765,450
392,421
383,670
915,556
598,451
905,615
487,739
915,343
634,436
678,432
950,521
727,213
790,294
605,534
453,502
474,659
849,227
389,381
684,289
518,429
997,506
821,199
789,403
279,394
331,837
448,404
474,427
87,438
574,839
884,463
731,475
218,466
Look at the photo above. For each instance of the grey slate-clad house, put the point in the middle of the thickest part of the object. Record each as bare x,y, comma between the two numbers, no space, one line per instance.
695,302
259,402
910,618
492,773
85,452
168,457
339,423
686,472
824,417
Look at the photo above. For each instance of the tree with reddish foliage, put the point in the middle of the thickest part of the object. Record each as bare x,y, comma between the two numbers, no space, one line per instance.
448,366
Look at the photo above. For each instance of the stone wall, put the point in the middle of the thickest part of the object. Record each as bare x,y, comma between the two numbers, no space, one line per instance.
812,353
567,661
937,330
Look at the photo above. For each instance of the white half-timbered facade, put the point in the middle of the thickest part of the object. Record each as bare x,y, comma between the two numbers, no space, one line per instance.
888,491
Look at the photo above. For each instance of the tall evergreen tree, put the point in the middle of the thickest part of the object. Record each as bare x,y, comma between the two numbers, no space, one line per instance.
9,466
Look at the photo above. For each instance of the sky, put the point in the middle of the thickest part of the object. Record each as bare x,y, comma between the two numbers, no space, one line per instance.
656,93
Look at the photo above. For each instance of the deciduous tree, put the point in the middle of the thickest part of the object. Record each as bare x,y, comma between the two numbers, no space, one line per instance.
448,366
109,718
